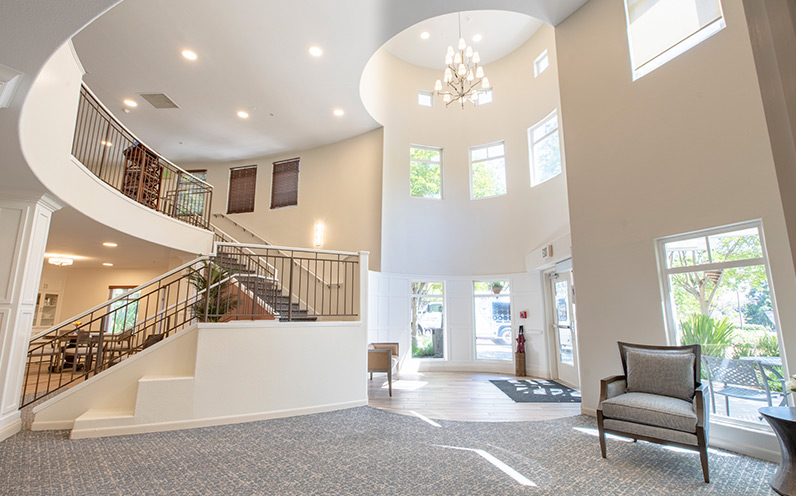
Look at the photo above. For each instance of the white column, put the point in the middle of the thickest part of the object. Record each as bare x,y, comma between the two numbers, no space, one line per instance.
24,224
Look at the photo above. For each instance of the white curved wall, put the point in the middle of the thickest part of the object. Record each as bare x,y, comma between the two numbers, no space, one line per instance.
46,129
457,235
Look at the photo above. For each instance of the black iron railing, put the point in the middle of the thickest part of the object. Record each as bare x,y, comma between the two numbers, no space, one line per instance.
106,148
239,282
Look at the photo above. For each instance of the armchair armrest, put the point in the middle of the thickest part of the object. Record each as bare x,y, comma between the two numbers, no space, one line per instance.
612,386
701,403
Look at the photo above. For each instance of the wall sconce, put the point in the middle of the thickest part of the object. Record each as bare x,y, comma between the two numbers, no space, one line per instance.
318,234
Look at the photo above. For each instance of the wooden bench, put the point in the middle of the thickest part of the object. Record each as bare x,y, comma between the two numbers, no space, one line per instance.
383,357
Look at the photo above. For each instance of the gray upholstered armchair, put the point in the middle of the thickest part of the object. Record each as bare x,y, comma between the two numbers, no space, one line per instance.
659,399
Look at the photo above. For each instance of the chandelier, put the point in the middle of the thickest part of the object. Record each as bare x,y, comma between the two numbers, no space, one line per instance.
464,79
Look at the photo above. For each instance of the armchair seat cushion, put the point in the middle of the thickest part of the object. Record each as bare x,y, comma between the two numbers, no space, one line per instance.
651,409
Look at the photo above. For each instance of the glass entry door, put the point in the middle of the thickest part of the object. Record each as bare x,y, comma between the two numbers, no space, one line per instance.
563,323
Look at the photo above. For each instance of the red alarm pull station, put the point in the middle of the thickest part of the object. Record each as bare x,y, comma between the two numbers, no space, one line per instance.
523,314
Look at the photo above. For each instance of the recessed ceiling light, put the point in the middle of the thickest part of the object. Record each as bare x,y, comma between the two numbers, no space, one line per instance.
315,51
477,38
106,143
110,244
190,55
107,264
425,35
130,103
243,114
338,112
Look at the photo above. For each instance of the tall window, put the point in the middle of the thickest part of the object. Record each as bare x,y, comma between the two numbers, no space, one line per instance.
242,182
425,172
284,186
545,151
428,320
493,335
718,296
124,312
488,170
660,30
191,193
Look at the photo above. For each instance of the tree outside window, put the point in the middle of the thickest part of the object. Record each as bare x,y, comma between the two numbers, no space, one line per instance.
488,170
425,172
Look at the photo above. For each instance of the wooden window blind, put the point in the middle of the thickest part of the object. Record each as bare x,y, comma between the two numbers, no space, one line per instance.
284,187
242,181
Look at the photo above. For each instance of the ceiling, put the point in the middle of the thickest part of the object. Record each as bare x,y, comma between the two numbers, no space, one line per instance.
253,56
79,237
501,33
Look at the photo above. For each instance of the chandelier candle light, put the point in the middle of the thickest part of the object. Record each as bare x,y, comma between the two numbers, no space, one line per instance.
464,78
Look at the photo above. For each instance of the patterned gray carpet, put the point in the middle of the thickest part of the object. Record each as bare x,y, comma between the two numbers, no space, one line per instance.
367,451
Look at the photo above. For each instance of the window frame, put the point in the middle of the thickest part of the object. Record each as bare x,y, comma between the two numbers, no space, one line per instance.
667,293
505,168
532,143
542,56
412,296
676,49
274,165
491,97
229,189
441,179
475,324
427,93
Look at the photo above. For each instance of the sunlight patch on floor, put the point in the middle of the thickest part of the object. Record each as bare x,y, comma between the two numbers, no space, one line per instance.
497,463
424,418
405,385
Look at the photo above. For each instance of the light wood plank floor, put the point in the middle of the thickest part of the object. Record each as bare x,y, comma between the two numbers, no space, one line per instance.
464,396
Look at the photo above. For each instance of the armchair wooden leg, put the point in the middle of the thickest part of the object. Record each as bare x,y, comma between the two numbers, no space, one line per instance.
371,376
601,431
389,380
703,454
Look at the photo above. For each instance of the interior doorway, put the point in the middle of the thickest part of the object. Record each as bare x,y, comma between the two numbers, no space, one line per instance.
563,325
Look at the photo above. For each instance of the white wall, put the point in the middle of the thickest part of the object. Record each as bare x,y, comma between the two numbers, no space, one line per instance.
84,288
683,148
457,235
339,184
218,374
389,321
46,129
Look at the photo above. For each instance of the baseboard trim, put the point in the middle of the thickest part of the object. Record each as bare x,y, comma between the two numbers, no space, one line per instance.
12,428
494,368
52,425
212,421
591,412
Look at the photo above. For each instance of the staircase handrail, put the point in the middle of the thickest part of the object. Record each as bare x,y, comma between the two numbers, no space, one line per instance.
268,243
161,157
121,296
283,249
224,234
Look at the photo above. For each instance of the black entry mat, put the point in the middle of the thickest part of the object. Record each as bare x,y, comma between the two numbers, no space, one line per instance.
537,391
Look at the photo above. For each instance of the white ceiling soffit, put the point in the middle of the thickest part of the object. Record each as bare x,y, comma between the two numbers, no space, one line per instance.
500,32
72,233
252,56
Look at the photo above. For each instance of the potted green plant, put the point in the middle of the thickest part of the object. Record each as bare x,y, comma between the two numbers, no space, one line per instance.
222,300
497,287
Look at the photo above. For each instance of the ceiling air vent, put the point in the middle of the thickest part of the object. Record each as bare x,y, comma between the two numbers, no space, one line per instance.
158,100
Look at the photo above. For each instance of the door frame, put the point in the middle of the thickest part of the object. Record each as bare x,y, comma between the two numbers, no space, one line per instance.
550,319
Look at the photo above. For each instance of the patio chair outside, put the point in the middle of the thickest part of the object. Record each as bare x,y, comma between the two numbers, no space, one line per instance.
737,378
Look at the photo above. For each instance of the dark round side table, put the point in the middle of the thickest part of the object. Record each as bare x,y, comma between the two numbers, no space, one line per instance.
783,422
